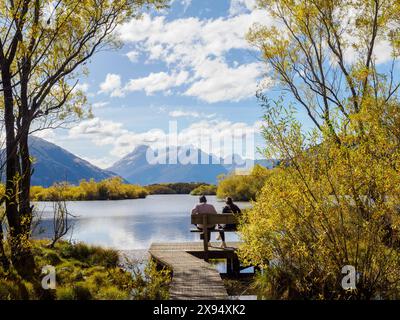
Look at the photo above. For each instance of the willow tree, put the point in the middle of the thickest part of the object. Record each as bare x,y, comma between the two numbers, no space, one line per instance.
44,46
335,200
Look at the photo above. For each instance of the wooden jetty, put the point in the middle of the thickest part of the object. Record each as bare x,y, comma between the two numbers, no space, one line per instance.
193,277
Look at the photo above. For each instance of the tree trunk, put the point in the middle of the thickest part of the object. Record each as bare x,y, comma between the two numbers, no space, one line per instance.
21,255
25,210
3,258
25,169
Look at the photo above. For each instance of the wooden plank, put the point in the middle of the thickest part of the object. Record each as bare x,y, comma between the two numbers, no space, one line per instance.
189,246
214,230
193,278
214,218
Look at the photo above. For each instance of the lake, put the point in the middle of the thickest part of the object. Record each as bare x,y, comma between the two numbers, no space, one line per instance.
131,224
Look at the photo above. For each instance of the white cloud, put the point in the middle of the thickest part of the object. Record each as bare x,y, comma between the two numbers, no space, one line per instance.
100,104
84,87
112,85
102,163
201,48
383,52
181,113
123,141
192,114
133,56
47,134
241,6
101,132
198,47
160,81
218,82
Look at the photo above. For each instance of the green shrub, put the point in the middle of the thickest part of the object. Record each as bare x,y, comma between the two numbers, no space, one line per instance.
205,189
243,187
84,272
13,290
105,257
81,291
151,284
65,293
112,293
52,258
109,189
173,188
92,255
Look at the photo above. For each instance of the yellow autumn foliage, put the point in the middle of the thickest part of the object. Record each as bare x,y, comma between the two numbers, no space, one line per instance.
334,202
108,189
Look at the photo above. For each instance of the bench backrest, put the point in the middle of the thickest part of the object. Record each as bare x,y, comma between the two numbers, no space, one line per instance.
214,218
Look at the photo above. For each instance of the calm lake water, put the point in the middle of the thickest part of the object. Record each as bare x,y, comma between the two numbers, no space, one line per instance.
131,224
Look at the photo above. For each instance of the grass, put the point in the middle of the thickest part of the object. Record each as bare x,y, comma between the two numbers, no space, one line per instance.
84,272
241,286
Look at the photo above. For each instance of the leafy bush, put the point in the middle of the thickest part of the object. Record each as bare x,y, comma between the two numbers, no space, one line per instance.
205,189
92,255
330,205
12,290
83,273
81,291
242,187
108,189
173,188
151,284
160,189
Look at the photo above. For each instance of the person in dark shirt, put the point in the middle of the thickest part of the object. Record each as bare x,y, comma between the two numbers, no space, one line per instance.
229,208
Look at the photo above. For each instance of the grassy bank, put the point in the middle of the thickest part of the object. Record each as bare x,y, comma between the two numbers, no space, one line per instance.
205,189
174,188
84,272
109,189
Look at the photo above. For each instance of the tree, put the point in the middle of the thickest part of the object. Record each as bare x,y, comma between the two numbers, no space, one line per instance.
324,53
242,187
334,201
44,46
61,215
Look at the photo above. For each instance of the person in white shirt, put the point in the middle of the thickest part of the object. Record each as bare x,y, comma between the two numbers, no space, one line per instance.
204,207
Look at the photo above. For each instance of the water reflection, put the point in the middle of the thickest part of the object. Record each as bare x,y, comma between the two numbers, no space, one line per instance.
131,224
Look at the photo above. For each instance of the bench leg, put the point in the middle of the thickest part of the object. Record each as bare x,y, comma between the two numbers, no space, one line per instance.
205,243
229,266
236,266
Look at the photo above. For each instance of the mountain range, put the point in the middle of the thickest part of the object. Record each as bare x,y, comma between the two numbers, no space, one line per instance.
177,164
135,167
142,166
54,164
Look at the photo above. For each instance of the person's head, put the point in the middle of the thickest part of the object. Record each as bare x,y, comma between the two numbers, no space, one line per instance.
203,199
228,201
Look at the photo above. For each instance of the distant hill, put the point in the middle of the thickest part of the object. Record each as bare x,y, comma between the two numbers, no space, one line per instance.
238,163
135,168
54,164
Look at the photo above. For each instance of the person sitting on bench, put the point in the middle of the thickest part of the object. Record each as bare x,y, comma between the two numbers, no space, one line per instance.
204,207
229,208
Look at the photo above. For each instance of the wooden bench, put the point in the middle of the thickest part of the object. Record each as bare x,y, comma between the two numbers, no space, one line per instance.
212,219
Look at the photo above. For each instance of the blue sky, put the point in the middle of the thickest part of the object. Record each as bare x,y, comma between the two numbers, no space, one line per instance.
189,64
